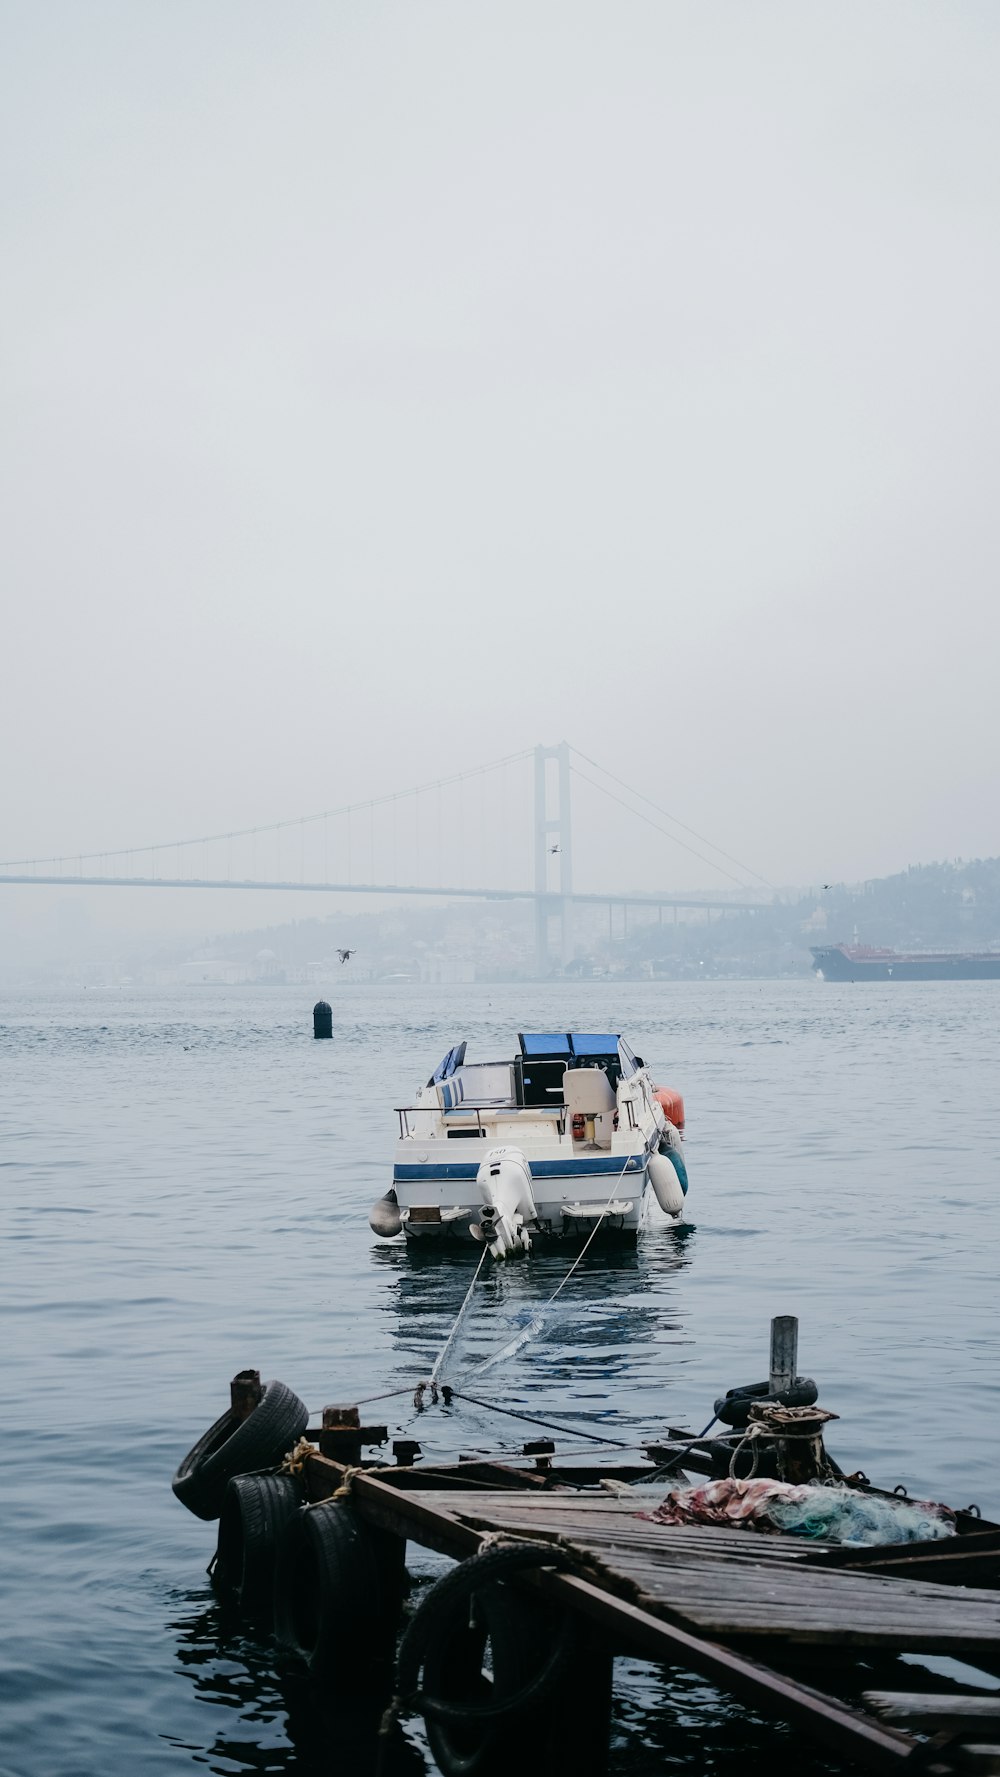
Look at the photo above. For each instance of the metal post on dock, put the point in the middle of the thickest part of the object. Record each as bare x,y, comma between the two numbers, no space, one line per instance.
784,1352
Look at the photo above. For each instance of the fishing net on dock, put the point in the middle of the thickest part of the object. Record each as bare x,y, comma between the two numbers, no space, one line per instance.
830,1514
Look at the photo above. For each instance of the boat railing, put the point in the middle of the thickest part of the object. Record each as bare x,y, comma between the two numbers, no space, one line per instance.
490,1111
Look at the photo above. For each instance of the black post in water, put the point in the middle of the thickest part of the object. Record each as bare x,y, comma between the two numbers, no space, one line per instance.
322,1019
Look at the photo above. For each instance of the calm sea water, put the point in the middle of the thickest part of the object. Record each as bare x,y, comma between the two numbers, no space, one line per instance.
184,1192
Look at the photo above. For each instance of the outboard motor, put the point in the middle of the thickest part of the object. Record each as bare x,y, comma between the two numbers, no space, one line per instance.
504,1185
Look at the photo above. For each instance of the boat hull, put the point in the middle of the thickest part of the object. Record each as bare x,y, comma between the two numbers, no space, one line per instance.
440,1199
837,963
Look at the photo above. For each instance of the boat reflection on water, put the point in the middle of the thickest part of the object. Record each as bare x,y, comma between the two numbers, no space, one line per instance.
609,1353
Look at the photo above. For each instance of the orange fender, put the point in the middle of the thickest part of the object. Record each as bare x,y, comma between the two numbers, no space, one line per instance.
671,1103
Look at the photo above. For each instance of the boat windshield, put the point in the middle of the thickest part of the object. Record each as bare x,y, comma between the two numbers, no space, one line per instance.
587,1043
548,1043
448,1065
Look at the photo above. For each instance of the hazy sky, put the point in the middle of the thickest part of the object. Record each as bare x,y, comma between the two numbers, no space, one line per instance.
392,386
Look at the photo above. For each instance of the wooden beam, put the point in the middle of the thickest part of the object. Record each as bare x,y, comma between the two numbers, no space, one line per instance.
931,1712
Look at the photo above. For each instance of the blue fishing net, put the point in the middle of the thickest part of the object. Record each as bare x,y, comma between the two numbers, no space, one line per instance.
839,1515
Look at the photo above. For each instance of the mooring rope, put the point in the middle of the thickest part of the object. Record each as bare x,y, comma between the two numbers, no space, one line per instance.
581,1255
431,1382
758,1429
569,1431
429,1385
492,1356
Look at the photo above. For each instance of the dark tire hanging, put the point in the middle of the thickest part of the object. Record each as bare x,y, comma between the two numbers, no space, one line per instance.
338,1587
254,1513
234,1446
454,1672
443,1650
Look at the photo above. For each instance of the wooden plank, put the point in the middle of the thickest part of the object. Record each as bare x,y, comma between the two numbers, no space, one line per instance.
930,1712
617,1536
745,1580
838,1724
949,1566
748,1585
927,1639
849,1555
556,1513
794,1612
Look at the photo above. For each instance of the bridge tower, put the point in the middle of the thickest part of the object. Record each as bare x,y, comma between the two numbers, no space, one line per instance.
553,856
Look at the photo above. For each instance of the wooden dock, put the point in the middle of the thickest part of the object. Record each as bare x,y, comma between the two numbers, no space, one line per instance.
313,1536
734,1605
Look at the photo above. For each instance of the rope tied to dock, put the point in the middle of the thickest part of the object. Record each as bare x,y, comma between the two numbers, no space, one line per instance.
752,1435
295,1461
778,1425
346,1487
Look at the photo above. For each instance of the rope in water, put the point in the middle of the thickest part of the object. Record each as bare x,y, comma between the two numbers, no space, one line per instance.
430,1385
581,1255
570,1431
583,1250
442,1354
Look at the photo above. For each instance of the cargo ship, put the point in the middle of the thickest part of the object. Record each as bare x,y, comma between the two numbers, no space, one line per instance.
860,962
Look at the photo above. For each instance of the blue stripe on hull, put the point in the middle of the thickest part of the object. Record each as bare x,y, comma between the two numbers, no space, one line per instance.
540,1169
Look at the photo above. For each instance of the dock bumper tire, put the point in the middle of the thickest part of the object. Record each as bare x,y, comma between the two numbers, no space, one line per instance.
338,1588
234,1447
254,1514
440,1665
733,1408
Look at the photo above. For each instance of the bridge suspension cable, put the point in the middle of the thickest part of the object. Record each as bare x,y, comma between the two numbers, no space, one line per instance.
475,845
348,808
640,797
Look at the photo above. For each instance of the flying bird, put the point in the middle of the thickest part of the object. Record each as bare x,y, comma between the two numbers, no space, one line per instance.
553,848
345,955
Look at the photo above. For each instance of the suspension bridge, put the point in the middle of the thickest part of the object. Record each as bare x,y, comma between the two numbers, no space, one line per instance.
429,841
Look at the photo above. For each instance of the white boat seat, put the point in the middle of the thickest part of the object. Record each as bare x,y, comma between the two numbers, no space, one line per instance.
588,1091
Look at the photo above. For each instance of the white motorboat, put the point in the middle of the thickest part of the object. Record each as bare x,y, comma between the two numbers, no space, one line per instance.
570,1133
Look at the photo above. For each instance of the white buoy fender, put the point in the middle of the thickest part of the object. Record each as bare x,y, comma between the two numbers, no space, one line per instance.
666,1184
505,1190
385,1219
